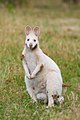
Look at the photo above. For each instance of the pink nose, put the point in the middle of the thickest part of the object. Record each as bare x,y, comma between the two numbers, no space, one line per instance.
30,45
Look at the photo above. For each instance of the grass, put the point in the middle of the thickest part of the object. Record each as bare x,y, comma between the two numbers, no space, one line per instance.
59,39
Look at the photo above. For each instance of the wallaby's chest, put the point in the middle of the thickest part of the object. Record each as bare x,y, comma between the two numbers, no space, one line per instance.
31,60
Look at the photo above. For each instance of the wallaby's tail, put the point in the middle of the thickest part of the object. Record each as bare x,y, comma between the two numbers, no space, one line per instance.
66,85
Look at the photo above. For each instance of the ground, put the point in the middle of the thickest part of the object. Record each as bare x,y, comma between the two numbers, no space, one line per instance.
59,39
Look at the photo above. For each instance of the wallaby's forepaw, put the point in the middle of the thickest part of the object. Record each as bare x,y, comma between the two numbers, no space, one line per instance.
40,67
22,56
32,76
28,76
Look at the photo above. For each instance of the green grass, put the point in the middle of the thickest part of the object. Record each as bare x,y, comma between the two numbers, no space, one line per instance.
59,39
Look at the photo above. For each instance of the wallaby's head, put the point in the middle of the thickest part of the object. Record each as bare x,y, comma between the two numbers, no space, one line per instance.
32,37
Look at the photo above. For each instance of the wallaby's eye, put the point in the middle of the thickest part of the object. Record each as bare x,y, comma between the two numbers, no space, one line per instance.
27,39
34,40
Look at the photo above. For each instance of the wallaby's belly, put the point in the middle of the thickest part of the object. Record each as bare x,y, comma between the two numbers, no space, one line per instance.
38,83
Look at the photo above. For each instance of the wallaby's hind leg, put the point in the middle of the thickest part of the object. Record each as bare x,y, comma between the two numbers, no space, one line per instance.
50,100
50,94
53,87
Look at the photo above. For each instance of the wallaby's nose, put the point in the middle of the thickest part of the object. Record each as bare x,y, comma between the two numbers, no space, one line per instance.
30,45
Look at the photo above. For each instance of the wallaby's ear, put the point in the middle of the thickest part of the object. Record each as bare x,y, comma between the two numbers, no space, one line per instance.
28,29
36,30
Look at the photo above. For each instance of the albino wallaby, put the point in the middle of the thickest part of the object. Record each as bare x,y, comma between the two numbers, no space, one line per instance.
42,75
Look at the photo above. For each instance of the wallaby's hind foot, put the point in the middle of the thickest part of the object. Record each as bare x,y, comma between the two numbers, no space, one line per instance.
50,101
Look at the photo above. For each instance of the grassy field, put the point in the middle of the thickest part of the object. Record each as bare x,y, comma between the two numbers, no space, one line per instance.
59,39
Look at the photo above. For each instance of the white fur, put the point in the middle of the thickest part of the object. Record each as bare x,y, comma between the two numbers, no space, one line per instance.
31,38
42,75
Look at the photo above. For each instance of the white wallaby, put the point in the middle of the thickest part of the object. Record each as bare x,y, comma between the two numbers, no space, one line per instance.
42,75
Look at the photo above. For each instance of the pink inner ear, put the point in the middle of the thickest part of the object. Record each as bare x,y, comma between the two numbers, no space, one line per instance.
28,29
36,31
